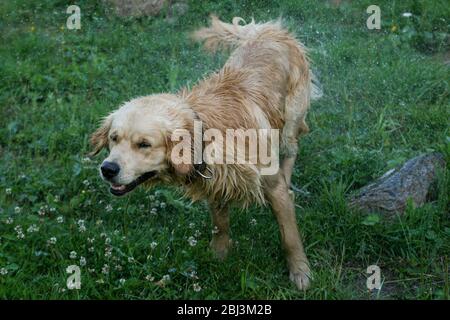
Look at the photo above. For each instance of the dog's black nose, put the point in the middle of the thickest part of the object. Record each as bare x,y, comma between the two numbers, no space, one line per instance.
109,169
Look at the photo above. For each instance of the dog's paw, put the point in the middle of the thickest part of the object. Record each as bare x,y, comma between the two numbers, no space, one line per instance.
221,248
301,276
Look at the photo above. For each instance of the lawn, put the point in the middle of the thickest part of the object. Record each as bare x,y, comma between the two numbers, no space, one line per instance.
386,99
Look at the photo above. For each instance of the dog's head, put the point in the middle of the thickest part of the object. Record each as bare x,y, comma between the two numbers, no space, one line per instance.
139,138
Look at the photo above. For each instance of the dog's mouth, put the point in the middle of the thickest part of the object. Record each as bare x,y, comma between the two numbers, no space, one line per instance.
122,189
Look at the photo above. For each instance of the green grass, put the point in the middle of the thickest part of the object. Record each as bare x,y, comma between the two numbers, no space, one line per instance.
386,100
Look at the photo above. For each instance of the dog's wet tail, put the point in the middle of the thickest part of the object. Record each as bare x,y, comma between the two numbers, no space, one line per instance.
229,35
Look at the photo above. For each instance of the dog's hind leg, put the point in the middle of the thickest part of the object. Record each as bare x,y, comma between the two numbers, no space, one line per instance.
284,211
295,113
221,241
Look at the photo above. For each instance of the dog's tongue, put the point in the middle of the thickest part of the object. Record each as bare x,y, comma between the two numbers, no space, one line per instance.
118,186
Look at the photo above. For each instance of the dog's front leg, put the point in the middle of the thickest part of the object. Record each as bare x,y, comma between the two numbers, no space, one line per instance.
221,241
284,211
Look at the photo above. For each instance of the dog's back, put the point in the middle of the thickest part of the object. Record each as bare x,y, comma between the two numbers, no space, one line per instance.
276,68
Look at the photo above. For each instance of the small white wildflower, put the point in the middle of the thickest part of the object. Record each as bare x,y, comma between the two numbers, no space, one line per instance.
82,228
52,209
82,261
192,241
73,255
51,241
253,222
99,222
90,240
108,252
215,230
193,274
8,191
130,260
102,235
86,182
108,208
192,225
153,211
153,245
166,278
33,228
56,199
162,205
407,14
107,240
105,269
149,278
197,233
3,271
60,219
122,281
91,249
17,210
197,287
9,220
42,211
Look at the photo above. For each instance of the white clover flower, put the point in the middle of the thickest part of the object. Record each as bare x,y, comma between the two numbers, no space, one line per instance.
52,209
197,287
8,191
192,241
33,228
82,261
17,210
60,219
253,222
149,278
122,281
215,230
90,240
105,269
153,245
91,249
41,211
162,205
191,225
407,14
86,182
73,255
3,271
108,252
197,233
9,220
107,240
51,241
166,278
108,208
193,274
131,260
153,211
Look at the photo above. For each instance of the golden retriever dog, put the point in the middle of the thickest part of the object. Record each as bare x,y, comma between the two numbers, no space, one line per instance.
265,84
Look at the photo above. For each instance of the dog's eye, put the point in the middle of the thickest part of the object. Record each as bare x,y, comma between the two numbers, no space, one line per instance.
144,144
113,138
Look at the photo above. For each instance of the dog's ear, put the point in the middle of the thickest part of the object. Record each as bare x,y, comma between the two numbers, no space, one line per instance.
99,138
180,152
